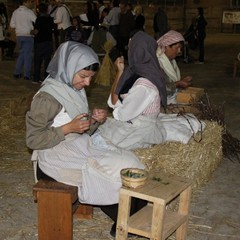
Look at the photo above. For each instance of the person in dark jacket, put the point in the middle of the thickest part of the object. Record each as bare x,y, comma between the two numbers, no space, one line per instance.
139,18
43,42
201,24
160,21
126,26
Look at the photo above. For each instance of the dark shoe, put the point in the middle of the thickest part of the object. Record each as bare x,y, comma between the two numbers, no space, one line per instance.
17,76
113,231
27,78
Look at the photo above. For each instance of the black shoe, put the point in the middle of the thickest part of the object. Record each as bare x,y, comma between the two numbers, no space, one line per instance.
27,78
113,231
17,76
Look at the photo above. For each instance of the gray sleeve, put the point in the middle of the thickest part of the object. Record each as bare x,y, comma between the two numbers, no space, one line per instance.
39,133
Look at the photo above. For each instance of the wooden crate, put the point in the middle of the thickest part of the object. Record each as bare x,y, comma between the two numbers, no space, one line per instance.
190,94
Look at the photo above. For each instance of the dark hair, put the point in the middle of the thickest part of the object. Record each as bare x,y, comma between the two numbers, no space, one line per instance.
78,19
115,3
114,54
93,67
42,7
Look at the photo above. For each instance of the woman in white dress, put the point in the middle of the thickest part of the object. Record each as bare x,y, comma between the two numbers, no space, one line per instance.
57,127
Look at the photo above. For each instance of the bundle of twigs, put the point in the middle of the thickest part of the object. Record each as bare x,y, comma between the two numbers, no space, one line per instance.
212,112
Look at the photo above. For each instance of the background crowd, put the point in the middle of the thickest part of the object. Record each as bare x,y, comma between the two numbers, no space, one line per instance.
40,32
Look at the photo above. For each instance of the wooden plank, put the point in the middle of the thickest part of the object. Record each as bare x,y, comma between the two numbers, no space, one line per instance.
55,219
141,222
123,216
184,204
161,191
53,186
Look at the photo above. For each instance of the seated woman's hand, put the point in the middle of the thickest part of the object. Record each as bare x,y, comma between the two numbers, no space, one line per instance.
99,115
119,62
79,124
184,83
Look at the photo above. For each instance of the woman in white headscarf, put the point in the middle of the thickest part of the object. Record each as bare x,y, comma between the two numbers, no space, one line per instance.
169,47
57,124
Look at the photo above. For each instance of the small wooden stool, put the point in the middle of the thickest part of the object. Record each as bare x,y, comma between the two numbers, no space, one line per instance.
236,67
154,221
56,204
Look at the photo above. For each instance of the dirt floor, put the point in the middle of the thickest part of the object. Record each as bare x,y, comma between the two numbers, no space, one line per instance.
214,211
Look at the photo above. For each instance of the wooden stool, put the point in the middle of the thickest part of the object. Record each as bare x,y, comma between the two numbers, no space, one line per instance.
236,67
56,204
154,221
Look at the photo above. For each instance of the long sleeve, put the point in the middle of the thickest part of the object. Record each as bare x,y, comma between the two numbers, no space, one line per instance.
133,105
39,133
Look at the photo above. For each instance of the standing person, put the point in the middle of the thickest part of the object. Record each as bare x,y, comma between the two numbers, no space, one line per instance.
43,44
5,42
90,19
126,26
101,6
22,20
169,47
52,10
160,21
4,16
63,19
201,24
56,129
112,19
139,18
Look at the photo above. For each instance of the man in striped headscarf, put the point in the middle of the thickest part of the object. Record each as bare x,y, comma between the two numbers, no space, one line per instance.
169,47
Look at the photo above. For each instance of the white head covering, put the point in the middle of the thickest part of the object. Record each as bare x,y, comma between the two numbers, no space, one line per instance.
70,58
169,38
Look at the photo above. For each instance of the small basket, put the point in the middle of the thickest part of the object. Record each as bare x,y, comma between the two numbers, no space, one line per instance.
133,177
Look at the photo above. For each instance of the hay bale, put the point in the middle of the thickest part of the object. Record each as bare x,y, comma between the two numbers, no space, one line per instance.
195,160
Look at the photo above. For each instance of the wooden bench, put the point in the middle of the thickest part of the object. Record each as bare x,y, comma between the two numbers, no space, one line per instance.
57,202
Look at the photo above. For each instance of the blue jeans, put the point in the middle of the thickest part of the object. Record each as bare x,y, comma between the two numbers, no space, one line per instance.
25,55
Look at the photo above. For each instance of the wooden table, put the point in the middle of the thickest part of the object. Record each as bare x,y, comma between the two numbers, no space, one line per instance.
154,221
